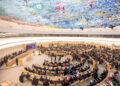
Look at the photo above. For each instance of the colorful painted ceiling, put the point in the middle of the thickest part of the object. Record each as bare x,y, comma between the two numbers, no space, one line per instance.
63,13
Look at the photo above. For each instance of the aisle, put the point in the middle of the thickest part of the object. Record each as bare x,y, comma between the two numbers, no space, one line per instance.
101,69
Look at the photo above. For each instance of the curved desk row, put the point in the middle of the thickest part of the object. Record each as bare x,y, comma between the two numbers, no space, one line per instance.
91,68
19,56
6,83
56,78
108,66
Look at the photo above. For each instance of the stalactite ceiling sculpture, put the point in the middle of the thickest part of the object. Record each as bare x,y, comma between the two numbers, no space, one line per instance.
63,13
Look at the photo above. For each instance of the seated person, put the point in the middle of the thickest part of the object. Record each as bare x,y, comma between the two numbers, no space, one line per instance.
46,82
35,81
65,82
21,78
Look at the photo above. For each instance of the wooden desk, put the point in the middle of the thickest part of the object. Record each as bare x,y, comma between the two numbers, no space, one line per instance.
19,56
55,78
6,83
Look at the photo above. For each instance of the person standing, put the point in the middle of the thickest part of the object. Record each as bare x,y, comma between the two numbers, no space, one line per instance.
55,57
57,71
39,52
17,61
59,58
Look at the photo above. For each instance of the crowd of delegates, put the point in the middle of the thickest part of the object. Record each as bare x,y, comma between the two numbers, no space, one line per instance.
110,55
98,79
111,81
73,71
78,52
68,49
66,81
59,70
8,57
55,63
100,54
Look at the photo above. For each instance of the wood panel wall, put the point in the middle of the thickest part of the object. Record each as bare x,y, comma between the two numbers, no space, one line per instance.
9,50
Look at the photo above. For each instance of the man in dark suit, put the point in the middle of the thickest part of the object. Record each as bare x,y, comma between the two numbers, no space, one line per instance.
65,83
21,78
35,81
28,76
65,71
46,82
57,71
17,61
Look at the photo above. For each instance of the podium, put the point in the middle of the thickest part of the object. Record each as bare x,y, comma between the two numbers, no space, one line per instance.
19,62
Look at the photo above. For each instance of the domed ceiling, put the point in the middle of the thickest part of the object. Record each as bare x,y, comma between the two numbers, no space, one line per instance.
63,13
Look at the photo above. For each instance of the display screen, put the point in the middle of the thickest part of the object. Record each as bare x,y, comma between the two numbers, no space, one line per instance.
30,46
